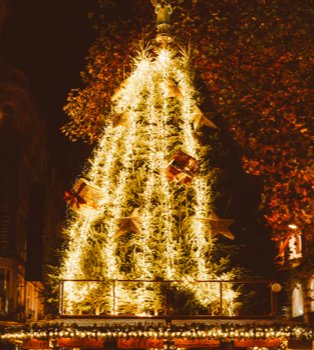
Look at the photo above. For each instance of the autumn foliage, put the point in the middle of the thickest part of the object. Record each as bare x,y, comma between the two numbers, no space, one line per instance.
256,59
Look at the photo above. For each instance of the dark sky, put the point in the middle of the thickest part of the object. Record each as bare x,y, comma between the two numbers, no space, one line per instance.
48,40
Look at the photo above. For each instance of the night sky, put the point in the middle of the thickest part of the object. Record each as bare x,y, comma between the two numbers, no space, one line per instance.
48,40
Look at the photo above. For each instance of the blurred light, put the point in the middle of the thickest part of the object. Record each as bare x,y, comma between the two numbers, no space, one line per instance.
276,287
292,226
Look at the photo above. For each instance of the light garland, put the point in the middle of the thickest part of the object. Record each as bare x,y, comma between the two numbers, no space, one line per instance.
157,104
222,332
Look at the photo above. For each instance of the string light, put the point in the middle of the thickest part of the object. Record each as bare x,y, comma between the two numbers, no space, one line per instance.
128,166
160,331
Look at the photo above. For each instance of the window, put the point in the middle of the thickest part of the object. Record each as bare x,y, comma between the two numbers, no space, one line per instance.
297,301
5,289
311,293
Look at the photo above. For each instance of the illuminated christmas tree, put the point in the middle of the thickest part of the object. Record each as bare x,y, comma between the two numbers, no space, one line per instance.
143,222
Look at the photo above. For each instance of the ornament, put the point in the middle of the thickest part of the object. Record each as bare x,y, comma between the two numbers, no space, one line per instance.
217,225
182,167
199,120
120,119
173,90
83,195
129,224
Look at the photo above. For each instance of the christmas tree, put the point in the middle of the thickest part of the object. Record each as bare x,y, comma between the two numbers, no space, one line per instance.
143,222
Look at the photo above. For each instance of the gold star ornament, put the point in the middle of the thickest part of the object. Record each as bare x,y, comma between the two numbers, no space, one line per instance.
199,120
217,225
129,223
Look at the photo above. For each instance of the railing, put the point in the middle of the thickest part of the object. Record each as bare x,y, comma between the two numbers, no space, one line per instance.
251,298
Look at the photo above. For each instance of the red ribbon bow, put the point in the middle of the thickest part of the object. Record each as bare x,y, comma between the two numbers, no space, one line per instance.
73,198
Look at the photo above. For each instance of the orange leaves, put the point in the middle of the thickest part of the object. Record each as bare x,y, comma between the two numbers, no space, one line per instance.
255,60
290,201
269,112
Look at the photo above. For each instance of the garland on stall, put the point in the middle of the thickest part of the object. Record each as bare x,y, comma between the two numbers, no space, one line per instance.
159,331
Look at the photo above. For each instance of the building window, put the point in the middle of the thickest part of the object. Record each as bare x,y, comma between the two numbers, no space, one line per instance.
5,291
297,301
311,293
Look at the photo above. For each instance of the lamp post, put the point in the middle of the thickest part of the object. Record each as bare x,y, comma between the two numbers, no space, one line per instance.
275,288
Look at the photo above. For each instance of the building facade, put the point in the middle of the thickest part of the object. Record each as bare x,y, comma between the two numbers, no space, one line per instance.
30,198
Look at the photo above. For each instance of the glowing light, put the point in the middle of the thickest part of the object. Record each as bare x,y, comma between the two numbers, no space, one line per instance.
153,331
293,226
128,166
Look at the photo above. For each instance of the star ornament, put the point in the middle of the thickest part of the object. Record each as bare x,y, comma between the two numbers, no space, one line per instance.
199,120
129,223
217,225
120,119
173,90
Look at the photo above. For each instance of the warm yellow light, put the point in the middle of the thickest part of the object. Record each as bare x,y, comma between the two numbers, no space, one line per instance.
293,226
128,166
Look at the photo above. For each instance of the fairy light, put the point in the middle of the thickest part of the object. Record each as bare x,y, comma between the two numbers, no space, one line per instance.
198,185
170,254
152,129
197,331
80,230
150,183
